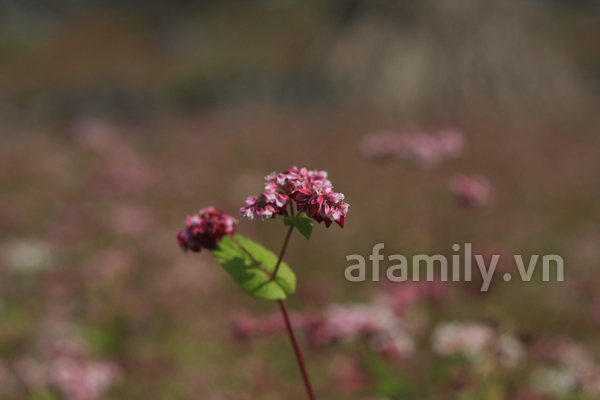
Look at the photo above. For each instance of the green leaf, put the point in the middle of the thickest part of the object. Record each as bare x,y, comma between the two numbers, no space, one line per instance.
302,222
248,274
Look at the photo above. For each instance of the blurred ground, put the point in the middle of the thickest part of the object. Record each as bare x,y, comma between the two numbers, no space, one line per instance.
118,121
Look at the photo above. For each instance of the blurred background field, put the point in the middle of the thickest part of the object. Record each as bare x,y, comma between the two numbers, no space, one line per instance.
118,119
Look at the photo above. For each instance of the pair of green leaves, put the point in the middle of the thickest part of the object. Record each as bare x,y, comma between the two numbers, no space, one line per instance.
252,266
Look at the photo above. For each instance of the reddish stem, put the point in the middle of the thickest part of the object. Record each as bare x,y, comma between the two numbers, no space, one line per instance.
286,317
285,244
290,330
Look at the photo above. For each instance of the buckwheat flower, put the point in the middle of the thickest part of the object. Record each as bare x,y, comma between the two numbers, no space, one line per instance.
469,339
318,200
283,181
421,149
267,205
396,343
451,142
205,229
347,322
310,190
510,351
245,327
400,297
82,379
573,355
578,362
286,182
472,191
65,363
313,176
381,145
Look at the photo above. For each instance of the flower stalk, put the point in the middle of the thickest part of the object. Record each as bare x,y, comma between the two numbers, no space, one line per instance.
283,249
290,330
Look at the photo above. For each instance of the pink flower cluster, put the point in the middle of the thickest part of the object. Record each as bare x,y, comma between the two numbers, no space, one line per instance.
425,150
266,205
67,366
385,332
401,296
468,339
310,190
476,341
81,379
205,229
570,359
472,191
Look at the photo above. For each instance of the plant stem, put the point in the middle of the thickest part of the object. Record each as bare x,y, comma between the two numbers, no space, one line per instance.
290,330
286,317
311,395
285,244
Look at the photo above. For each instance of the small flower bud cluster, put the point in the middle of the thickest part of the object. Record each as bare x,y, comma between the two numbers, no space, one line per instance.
310,190
205,229
425,150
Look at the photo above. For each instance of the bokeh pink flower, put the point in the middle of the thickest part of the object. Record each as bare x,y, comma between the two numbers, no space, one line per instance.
420,148
471,191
